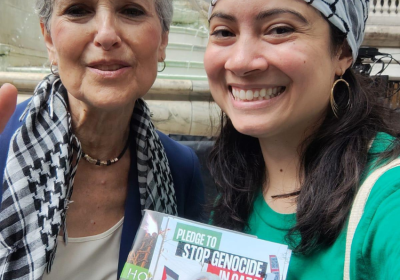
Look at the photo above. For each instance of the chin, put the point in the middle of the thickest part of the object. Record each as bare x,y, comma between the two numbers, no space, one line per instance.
252,130
113,105
109,100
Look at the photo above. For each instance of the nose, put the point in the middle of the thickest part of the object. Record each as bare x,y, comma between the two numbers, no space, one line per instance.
247,57
107,35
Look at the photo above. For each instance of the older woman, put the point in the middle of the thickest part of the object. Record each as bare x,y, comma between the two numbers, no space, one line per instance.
303,137
87,129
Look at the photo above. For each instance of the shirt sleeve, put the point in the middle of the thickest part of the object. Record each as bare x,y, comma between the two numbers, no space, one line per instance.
379,257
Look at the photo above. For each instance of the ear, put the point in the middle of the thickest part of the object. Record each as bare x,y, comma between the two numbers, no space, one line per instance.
49,43
163,46
345,59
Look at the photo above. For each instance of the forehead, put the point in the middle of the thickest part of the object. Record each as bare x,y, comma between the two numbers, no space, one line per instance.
253,7
108,2
254,12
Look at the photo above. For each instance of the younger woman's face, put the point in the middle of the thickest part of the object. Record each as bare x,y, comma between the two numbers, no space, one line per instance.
270,65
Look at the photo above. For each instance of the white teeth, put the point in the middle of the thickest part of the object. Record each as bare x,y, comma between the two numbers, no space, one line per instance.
249,95
262,94
242,95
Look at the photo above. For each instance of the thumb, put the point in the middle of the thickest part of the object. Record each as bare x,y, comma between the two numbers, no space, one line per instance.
8,102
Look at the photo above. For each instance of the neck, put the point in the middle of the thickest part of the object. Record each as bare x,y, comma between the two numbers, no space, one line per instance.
282,162
282,156
103,134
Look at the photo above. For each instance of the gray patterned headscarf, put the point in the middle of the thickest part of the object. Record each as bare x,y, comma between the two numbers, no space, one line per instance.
349,16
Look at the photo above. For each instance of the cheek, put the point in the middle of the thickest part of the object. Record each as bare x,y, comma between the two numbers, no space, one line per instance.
67,42
214,67
309,70
307,65
294,58
213,62
145,43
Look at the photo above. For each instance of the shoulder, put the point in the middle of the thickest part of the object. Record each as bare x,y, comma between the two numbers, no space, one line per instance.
182,160
188,182
386,187
378,232
13,124
177,153
386,183
382,142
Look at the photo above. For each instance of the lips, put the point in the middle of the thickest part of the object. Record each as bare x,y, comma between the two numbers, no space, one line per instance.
256,94
108,65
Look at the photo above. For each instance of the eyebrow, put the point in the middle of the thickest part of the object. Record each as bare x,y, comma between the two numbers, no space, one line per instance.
262,15
274,12
222,16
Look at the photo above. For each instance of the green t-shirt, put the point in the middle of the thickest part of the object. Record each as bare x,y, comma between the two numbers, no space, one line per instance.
375,252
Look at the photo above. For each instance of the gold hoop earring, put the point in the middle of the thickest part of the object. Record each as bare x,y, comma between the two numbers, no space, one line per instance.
164,65
335,107
54,72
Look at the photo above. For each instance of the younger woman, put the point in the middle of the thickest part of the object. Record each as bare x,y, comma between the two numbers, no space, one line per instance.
300,134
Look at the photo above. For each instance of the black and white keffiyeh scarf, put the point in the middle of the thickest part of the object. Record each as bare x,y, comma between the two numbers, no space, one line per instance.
39,176
350,16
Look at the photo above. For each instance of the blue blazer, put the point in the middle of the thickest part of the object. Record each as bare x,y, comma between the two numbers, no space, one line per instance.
185,169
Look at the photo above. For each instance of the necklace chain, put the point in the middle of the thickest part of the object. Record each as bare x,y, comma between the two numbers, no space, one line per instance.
105,162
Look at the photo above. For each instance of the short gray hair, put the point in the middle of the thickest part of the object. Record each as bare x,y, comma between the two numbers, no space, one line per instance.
164,10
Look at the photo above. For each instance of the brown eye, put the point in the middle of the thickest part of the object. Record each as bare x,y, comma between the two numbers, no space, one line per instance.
77,11
281,30
132,12
222,33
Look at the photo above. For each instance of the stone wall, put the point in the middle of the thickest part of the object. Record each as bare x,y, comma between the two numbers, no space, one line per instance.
21,42
181,107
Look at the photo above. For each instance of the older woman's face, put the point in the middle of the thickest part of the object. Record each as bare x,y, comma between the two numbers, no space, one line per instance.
106,50
269,65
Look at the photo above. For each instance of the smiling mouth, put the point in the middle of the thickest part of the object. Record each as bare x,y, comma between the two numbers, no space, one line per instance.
255,94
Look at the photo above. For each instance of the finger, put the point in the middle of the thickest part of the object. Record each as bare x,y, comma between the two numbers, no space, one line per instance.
8,102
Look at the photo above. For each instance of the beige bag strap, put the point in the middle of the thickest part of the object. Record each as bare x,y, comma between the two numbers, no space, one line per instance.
357,209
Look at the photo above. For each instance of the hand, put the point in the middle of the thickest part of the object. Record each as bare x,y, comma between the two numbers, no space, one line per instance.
8,102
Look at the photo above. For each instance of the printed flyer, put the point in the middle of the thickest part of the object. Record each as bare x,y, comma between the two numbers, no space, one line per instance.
171,248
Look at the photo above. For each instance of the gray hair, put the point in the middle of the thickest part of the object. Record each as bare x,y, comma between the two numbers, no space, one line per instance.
164,10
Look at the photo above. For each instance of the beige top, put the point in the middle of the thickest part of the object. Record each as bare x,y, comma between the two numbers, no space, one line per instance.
91,257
